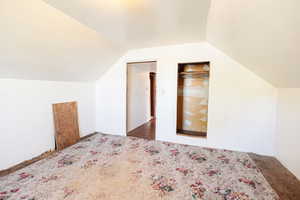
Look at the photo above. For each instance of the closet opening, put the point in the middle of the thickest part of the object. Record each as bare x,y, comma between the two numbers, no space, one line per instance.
192,98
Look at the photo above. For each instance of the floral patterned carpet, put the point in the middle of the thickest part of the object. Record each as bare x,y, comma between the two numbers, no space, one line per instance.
113,167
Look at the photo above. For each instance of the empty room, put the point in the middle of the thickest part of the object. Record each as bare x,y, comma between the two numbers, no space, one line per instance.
149,100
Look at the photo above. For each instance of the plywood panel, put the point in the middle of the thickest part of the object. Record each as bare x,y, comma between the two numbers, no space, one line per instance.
66,124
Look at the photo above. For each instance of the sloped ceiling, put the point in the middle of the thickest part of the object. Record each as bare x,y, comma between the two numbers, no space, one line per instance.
40,42
141,23
80,39
263,35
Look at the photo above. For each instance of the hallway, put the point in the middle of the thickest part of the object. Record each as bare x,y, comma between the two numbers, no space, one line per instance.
146,131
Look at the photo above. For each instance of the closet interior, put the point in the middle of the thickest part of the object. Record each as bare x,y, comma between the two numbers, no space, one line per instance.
192,98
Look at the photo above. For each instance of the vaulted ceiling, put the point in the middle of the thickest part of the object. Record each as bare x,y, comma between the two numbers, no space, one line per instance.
141,23
80,39
263,35
40,42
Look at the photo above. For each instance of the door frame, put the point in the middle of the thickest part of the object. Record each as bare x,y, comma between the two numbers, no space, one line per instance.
153,89
126,104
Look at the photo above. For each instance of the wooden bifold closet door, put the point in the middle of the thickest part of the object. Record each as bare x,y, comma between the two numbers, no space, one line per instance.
66,124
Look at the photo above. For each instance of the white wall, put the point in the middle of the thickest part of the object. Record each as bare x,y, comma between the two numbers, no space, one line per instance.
242,106
27,127
138,98
288,129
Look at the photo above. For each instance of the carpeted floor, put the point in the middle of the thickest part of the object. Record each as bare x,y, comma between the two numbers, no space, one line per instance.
114,168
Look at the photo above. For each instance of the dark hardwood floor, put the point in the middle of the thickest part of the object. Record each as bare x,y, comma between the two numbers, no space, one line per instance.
286,185
146,131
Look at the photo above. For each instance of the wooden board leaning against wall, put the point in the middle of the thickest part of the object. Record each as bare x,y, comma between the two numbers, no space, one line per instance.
66,124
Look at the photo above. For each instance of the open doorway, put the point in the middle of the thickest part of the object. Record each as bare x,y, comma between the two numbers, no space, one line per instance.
141,99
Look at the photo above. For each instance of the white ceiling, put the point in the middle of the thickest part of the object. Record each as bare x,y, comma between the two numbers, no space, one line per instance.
141,23
40,42
79,39
263,35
